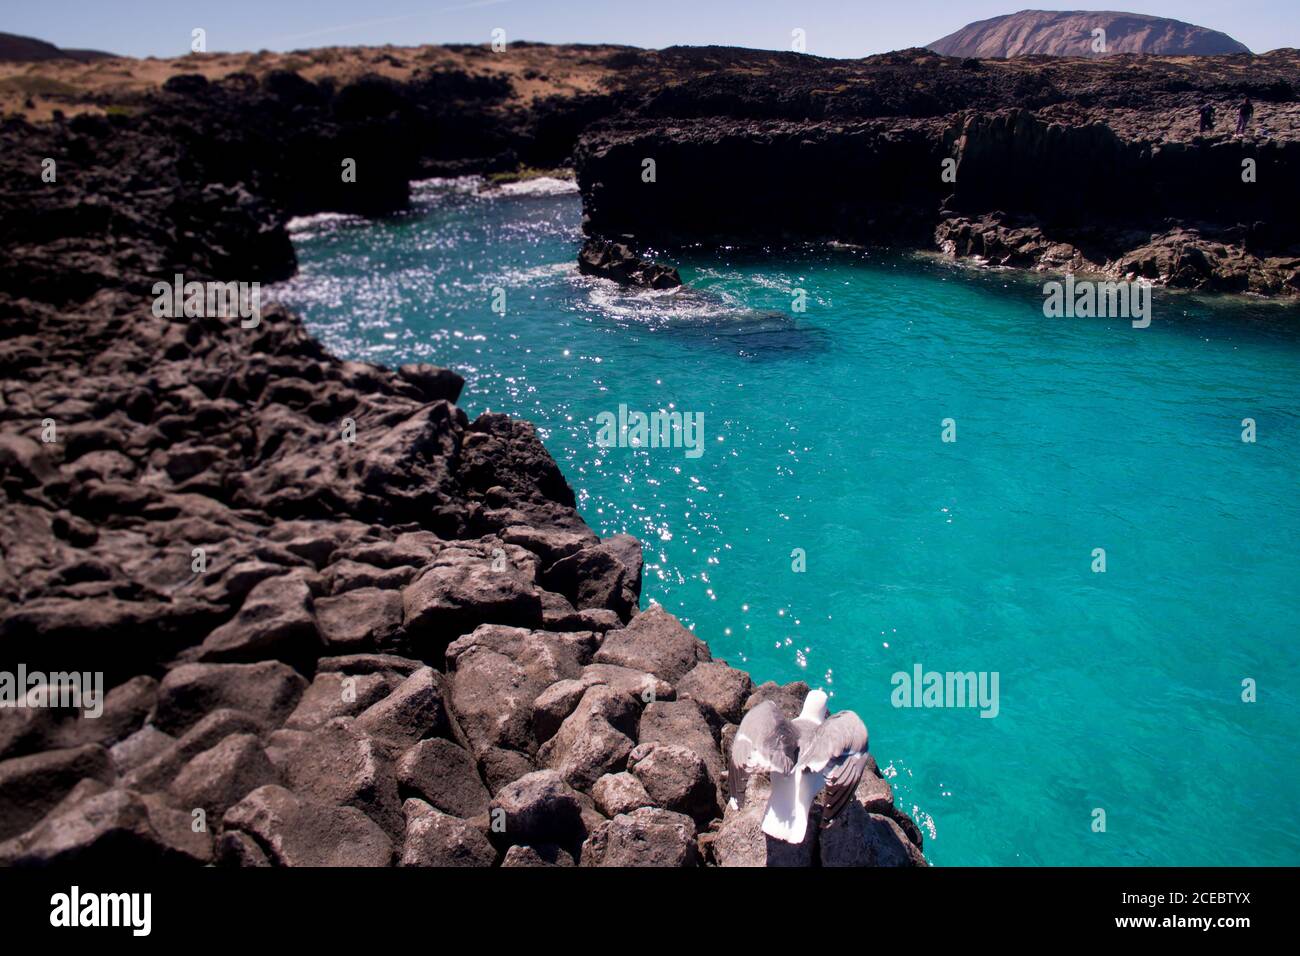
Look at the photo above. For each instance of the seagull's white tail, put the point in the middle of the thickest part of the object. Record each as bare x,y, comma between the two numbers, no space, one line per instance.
790,803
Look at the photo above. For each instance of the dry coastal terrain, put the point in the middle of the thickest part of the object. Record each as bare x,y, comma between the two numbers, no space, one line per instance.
534,72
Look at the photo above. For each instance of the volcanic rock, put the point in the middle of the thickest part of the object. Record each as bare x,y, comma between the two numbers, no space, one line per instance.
646,837
292,831
539,808
615,260
434,838
268,690
655,642
444,776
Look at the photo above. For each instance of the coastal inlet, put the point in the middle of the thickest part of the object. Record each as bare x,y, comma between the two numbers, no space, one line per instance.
822,432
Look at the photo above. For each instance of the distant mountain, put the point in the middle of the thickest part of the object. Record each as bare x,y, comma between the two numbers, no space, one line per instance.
16,49
1069,33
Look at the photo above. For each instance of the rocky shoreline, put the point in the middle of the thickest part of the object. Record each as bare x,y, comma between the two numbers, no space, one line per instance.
1090,164
339,623
1042,163
1027,191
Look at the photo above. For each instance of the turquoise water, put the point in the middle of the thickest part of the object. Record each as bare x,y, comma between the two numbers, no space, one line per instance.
1118,690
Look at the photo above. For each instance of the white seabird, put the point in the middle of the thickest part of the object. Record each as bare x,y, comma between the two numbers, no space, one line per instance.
802,756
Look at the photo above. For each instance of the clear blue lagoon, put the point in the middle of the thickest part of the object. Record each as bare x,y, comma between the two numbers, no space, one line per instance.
1119,690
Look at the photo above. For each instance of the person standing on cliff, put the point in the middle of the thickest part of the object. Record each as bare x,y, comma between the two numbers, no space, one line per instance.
1244,112
1207,117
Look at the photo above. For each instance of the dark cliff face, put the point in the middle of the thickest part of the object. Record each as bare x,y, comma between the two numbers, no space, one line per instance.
1070,33
207,172
880,181
754,182
1090,159
1089,174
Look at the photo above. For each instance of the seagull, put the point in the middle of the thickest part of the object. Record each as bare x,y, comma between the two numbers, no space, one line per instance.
802,756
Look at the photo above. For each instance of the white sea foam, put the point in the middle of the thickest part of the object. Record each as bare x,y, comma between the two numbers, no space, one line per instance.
536,274
680,306
308,225
425,191
541,186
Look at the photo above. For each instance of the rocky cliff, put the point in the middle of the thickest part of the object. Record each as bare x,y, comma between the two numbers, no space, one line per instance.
1096,165
1071,33
1088,165
339,622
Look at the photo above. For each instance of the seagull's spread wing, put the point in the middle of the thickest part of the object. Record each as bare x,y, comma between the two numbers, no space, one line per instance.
838,751
764,741
841,784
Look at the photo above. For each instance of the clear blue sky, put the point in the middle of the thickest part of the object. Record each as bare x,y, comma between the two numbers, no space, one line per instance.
843,28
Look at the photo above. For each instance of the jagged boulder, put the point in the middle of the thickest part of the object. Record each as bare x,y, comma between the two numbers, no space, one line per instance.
682,723
740,841
434,384
595,739
616,261
337,694
602,576
418,708
549,544
617,793
125,709
268,691
656,642
462,589
236,848
501,767
218,778
156,772
720,690
443,775
496,675
294,831
339,764
139,748
559,700
536,856
105,829
31,785
646,837
538,808
366,618
676,778
277,620
434,838
859,838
